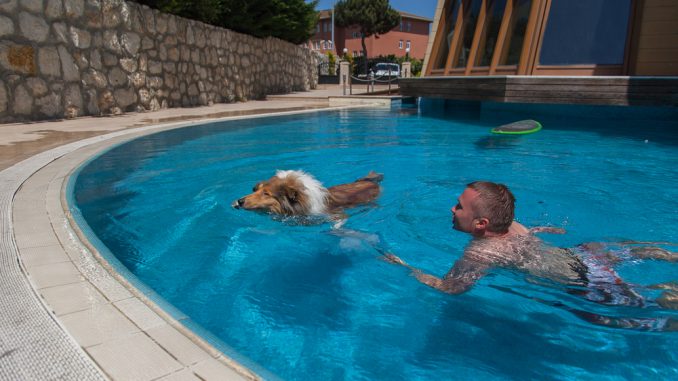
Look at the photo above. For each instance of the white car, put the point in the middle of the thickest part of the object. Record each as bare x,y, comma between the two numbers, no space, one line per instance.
382,69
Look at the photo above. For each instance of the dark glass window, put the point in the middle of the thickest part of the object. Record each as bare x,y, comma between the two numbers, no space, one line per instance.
585,32
470,21
515,35
488,40
450,20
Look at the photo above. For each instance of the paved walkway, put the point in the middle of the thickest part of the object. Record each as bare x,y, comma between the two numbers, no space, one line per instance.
64,313
22,140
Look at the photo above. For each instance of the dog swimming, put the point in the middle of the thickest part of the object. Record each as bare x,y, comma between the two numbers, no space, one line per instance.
297,193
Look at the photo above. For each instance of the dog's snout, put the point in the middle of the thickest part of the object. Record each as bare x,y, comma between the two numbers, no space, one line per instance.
238,203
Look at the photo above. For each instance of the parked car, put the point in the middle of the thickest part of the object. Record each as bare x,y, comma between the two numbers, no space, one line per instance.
385,68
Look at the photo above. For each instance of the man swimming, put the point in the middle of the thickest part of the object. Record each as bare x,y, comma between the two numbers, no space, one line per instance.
486,211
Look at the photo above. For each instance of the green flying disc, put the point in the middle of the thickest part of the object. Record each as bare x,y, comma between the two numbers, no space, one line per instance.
521,127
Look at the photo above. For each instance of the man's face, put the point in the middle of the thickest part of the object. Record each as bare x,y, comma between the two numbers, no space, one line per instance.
463,213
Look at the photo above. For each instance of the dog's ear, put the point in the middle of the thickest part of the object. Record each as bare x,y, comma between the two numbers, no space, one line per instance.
291,194
257,186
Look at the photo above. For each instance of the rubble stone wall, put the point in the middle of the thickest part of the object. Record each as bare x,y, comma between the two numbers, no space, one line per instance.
68,58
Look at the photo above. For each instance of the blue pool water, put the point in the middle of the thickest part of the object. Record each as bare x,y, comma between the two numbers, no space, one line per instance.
304,302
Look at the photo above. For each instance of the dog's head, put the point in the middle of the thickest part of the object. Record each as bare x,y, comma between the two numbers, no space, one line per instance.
288,193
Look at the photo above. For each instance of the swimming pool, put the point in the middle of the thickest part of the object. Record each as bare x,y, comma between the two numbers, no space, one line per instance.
310,302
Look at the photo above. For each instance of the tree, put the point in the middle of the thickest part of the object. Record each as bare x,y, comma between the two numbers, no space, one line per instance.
290,20
202,10
373,17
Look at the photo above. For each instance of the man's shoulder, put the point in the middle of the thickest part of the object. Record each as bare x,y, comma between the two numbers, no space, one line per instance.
498,251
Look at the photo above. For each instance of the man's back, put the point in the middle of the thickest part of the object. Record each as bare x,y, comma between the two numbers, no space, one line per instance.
529,254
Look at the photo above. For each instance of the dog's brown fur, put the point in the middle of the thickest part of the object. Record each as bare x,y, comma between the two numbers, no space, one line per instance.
288,196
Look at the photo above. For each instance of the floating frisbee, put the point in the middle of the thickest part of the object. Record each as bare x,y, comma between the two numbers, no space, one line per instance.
521,127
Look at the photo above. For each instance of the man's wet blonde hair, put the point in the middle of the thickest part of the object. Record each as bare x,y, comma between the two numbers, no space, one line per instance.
496,203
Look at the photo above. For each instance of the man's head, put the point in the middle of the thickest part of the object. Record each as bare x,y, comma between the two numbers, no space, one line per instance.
484,208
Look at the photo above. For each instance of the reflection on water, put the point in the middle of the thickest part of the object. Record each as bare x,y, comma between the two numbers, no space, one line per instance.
494,141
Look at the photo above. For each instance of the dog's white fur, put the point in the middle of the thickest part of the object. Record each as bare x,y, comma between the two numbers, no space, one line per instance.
313,189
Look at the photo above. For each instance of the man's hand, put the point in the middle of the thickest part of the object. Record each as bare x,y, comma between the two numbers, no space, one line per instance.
547,229
426,279
448,284
388,257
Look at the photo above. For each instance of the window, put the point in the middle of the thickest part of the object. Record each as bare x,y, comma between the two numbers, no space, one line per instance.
355,53
400,44
586,32
401,24
317,28
469,27
324,45
329,44
516,33
448,32
355,35
407,46
317,45
488,37
409,26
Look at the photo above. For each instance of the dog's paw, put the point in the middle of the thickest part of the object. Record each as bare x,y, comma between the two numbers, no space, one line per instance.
373,177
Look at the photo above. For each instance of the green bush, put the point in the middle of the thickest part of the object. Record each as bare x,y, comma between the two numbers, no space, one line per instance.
290,20
331,63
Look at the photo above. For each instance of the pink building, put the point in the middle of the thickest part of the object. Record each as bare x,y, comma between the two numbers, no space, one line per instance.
412,33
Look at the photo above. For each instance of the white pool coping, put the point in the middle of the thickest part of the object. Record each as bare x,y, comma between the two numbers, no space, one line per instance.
69,314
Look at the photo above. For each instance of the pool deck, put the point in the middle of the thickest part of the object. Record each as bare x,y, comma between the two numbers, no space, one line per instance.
64,312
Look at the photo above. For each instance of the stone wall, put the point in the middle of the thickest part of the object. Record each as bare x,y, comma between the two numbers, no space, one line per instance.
67,58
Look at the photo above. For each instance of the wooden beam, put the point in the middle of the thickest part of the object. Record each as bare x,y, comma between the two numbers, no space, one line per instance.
458,31
535,52
477,35
501,38
438,39
633,37
578,70
535,11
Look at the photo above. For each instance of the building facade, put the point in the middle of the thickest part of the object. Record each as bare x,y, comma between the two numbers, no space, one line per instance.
594,52
554,37
410,36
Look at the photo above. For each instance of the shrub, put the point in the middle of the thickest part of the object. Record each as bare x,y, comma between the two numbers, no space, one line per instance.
331,62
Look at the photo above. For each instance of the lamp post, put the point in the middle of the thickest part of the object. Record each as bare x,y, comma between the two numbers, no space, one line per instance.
345,53
407,67
334,4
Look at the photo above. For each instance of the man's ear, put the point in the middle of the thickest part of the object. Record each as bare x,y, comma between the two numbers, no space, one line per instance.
481,223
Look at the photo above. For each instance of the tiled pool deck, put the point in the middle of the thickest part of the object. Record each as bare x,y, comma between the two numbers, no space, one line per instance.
64,312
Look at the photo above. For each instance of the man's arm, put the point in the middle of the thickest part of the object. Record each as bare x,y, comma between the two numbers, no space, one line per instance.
461,277
519,229
547,229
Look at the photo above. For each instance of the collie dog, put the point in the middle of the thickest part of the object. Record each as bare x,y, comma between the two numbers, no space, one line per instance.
296,193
